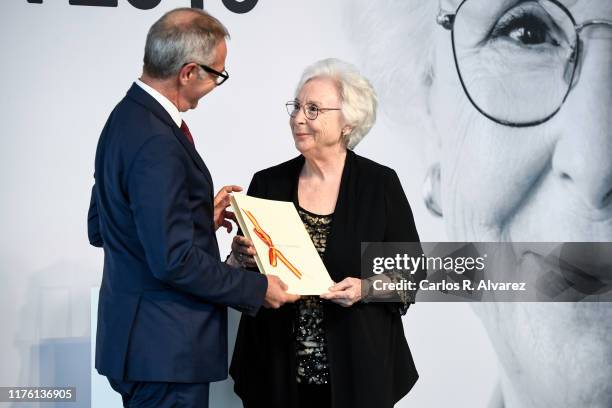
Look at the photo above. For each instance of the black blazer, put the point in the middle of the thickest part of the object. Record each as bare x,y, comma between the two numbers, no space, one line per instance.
370,362
162,309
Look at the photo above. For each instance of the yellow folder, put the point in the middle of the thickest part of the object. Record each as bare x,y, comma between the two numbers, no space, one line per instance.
283,245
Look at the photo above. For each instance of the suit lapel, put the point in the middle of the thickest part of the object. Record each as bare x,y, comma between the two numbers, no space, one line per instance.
140,96
193,153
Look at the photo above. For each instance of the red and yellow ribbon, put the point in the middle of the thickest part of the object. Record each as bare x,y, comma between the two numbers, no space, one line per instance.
273,252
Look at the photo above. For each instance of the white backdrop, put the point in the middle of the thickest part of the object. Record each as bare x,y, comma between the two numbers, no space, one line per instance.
63,69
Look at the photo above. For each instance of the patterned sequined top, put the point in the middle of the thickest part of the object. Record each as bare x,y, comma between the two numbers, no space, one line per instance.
310,343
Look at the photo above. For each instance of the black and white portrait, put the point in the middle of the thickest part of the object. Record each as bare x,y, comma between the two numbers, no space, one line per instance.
507,103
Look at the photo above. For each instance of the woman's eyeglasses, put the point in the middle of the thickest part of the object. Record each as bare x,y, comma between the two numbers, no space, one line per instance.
310,109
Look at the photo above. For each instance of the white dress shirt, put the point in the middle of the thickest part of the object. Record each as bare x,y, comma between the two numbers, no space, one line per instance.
163,101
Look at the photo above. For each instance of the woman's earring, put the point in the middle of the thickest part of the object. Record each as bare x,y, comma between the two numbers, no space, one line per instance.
344,134
431,190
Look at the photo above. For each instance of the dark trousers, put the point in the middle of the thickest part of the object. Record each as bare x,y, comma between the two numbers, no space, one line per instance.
137,394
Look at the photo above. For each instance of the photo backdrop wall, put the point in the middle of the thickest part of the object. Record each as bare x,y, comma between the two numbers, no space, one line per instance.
66,64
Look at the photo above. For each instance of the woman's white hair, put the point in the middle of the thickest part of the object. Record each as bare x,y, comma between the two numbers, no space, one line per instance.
359,100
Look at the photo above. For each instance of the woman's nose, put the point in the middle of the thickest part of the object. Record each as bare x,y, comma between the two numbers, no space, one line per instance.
583,154
299,116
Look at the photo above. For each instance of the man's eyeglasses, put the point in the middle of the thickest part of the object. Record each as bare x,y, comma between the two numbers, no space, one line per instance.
517,64
220,77
310,109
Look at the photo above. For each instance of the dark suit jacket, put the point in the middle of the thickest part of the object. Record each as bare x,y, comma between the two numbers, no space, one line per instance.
370,362
162,309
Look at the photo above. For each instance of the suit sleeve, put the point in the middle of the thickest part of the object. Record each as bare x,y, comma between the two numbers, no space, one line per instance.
93,221
400,227
159,202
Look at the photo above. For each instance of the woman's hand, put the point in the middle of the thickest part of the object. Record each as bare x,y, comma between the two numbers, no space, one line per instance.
242,253
345,293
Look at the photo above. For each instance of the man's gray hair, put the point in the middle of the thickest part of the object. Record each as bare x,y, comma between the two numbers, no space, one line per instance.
359,101
181,36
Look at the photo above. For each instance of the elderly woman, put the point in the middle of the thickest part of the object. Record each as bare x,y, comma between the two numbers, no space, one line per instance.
332,351
514,107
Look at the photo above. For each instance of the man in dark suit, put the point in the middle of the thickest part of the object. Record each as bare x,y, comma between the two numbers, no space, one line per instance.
162,317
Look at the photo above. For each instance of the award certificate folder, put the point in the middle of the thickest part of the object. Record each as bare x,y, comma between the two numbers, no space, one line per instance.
282,243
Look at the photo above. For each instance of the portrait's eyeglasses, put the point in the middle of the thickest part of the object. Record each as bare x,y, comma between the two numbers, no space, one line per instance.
310,109
517,64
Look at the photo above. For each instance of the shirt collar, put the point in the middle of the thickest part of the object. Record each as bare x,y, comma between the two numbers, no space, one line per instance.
163,101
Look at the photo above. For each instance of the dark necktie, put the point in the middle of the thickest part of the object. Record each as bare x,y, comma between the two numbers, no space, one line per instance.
187,133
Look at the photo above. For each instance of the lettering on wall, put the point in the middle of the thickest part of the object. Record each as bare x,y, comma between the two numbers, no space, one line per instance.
235,6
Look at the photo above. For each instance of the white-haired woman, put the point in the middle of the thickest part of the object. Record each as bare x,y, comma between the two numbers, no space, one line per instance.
332,351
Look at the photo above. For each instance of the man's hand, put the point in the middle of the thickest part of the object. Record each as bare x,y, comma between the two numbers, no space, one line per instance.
222,200
277,295
345,293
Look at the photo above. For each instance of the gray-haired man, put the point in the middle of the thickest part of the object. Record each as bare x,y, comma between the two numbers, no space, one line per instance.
162,317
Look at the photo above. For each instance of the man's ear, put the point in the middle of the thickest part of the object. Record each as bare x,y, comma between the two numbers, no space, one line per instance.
187,72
